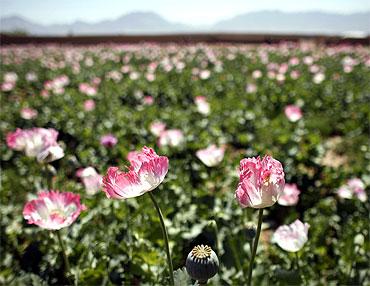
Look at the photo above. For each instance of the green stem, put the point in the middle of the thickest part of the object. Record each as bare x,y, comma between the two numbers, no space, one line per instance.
65,258
260,214
165,236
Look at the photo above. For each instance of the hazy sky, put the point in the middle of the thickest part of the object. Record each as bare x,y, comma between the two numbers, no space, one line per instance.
196,12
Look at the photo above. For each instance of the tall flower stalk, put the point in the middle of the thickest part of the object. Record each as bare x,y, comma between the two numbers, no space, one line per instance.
54,210
65,257
146,172
255,245
165,237
261,182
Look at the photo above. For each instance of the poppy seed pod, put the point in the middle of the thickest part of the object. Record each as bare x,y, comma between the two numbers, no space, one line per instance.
202,263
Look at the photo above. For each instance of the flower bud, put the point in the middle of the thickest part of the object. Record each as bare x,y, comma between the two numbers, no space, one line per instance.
202,263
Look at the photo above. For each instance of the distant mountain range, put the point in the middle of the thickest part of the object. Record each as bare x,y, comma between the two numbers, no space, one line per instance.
253,22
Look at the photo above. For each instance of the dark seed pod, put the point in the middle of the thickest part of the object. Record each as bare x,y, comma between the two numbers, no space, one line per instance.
202,263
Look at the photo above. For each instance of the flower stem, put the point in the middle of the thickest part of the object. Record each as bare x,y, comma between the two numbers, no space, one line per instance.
165,236
65,258
260,214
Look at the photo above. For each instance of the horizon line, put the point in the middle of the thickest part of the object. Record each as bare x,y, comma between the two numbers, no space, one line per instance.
182,23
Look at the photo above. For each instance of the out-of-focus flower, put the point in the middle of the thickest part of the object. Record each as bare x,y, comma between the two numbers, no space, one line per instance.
171,137
318,78
91,179
10,77
7,86
87,89
202,105
204,74
294,74
89,105
36,142
211,156
146,172
50,154
108,140
293,112
28,113
148,100
202,263
31,77
261,182
353,188
290,195
256,74
134,75
251,88
53,210
157,127
291,237
57,84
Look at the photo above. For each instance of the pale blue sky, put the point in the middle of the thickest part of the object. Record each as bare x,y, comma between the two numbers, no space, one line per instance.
196,12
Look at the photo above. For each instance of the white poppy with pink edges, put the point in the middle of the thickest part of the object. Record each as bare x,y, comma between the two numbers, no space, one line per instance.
157,127
53,209
28,113
261,182
290,195
202,105
91,180
211,156
171,137
354,188
36,142
146,172
293,112
291,237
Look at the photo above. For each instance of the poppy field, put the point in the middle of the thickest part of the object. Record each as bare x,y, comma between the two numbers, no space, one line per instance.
179,164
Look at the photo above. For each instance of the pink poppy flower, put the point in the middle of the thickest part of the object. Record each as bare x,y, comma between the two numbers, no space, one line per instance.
147,171
171,137
53,210
91,180
290,195
291,237
28,113
148,100
108,140
261,182
157,127
89,105
211,156
87,89
251,88
202,105
7,86
293,112
36,142
353,188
